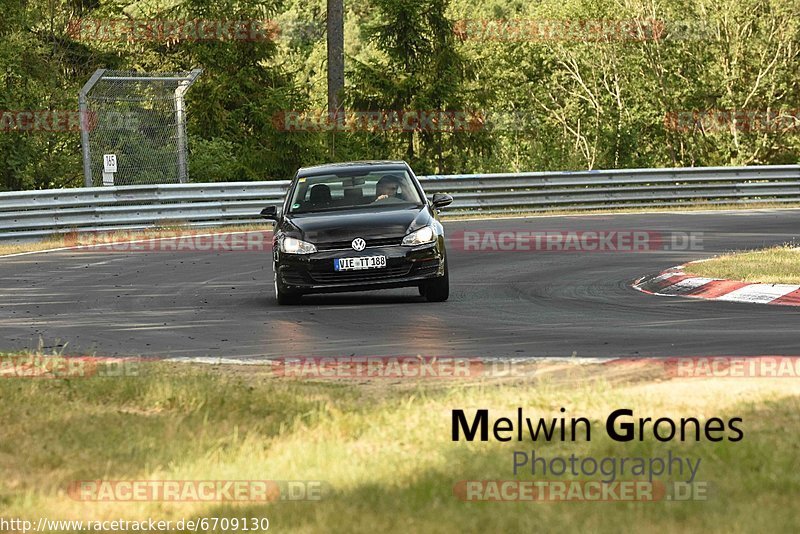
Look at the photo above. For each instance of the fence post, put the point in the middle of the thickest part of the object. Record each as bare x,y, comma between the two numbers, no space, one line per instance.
180,122
181,129
83,109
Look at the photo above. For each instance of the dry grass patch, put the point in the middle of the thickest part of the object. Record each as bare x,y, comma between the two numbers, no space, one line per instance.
778,265
383,447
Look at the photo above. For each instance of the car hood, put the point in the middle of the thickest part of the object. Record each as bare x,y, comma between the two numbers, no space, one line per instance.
334,226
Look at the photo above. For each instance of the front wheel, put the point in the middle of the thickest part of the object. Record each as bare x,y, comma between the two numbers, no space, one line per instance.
437,289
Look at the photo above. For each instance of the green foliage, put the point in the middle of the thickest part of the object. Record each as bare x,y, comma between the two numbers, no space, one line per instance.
35,70
419,68
563,101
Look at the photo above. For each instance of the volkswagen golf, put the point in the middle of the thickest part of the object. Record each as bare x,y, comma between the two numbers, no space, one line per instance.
358,226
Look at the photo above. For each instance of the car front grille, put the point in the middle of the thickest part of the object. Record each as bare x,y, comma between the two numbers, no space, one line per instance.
366,275
340,245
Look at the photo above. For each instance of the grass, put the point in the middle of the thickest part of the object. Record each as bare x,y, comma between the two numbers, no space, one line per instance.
382,447
778,265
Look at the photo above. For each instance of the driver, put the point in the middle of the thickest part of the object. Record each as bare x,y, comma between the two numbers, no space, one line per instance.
387,187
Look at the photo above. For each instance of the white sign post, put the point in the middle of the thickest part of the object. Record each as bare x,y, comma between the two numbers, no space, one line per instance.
109,168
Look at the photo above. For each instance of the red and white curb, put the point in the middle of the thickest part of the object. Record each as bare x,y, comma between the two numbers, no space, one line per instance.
676,283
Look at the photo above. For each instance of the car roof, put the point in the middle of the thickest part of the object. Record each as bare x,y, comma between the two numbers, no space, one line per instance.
370,165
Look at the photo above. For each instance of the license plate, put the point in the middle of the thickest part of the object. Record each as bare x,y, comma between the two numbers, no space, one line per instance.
354,264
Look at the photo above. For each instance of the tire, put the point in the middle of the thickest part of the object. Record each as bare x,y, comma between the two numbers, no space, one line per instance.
421,290
285,297
437,289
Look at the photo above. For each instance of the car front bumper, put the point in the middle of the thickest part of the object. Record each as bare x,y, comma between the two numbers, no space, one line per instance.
405,266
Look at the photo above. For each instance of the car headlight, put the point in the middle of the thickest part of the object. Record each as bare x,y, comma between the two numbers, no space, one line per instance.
290,245
422,236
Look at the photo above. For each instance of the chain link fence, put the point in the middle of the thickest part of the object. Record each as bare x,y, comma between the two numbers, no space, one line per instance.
140,118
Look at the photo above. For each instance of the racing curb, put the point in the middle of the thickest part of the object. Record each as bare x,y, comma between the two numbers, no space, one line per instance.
674,282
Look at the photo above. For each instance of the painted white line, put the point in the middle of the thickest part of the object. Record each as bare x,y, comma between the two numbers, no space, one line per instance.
555,359
274,361
35,252
759,293
220,361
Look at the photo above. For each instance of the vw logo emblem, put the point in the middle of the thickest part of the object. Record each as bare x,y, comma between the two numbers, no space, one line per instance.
358,244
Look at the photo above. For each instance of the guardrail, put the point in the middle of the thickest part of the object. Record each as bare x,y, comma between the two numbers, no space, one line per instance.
41,213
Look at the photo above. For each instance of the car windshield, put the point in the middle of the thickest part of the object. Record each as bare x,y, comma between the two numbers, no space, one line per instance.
375,189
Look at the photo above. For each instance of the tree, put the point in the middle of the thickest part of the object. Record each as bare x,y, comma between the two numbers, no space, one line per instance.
418,68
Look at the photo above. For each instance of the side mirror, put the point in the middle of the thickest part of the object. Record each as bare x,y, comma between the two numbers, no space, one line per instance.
270,212
441,200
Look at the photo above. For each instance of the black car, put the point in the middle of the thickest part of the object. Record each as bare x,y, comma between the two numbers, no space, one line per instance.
358,226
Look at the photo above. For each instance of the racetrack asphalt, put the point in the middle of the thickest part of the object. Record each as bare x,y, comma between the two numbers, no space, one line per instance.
502,303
